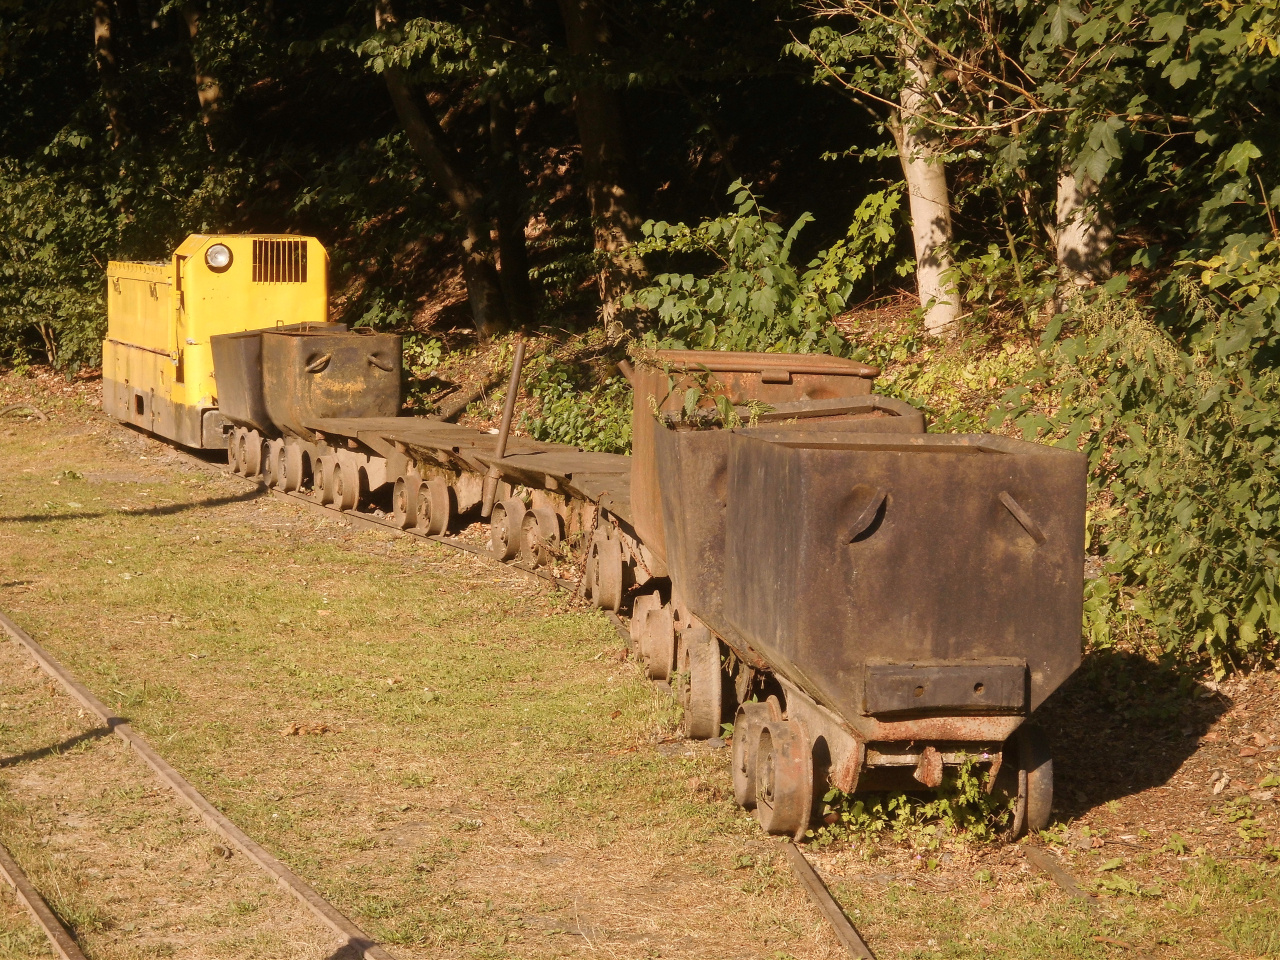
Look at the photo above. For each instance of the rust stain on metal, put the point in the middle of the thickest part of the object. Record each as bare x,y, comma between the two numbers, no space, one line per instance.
929,767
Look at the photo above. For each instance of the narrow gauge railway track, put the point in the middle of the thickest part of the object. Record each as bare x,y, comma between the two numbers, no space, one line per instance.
352,936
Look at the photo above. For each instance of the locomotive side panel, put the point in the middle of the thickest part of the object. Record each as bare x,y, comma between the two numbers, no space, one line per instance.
158,367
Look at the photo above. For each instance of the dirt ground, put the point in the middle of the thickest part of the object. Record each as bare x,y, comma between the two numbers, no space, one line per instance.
466,763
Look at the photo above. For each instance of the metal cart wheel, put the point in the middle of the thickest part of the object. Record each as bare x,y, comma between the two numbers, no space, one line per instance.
746,742
435,507
251,453
322,480
233,450
784,778
345,486
606,583
640,609
658,642
292,466
273,467
539,536
1035,780
700,683
506,529
404,501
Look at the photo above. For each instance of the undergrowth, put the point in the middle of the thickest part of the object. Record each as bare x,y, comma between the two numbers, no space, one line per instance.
960,808
1184,508
572,409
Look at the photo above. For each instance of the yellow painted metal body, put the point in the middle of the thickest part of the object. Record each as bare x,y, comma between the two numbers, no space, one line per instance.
157,366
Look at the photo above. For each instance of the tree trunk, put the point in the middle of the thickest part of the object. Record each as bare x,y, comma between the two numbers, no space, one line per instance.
208,91
104,53
920,152
508,186
1084,235
615,208
484,295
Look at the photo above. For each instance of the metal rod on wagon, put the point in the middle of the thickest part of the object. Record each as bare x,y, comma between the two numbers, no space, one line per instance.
513,387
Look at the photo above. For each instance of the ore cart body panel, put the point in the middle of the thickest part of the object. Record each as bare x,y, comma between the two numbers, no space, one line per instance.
237,360
694,470
771,378
898,577
310,376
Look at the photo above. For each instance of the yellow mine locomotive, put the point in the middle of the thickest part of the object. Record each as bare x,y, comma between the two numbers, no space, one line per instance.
869,604
157,362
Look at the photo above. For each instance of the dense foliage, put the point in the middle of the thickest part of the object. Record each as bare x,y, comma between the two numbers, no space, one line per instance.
1184,451
758,299
125,126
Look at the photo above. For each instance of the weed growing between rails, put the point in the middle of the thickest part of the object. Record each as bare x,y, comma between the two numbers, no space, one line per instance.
961,810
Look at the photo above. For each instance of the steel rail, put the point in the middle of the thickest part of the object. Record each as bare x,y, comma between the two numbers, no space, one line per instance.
323,910
64,945
843,928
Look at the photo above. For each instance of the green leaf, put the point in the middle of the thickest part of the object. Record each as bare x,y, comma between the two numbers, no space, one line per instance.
1168,25
1238,157
691,400
1178,72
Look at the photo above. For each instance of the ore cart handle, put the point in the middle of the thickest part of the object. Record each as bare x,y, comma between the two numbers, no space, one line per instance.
509,408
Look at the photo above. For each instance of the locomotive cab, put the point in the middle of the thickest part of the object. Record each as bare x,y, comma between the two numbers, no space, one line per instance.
157,363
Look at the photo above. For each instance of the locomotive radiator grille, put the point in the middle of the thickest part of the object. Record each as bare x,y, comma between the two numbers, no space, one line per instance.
279,261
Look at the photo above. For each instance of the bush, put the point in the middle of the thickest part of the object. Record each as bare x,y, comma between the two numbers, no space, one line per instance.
582,414
1183,461
757,299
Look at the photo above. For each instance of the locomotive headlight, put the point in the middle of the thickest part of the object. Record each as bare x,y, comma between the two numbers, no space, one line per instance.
218,257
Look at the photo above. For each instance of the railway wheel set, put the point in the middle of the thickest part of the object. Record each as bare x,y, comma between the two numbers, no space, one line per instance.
868,604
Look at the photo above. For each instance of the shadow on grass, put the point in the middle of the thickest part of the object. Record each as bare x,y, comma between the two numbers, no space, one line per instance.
1123,724
163,511
97,733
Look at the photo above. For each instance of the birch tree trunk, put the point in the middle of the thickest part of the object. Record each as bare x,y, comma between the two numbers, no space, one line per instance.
930,202
1084,235
615,208
446,167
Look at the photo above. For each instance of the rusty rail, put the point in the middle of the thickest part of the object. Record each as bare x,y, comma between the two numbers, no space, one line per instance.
844,930
1049,865
323,910
64,945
